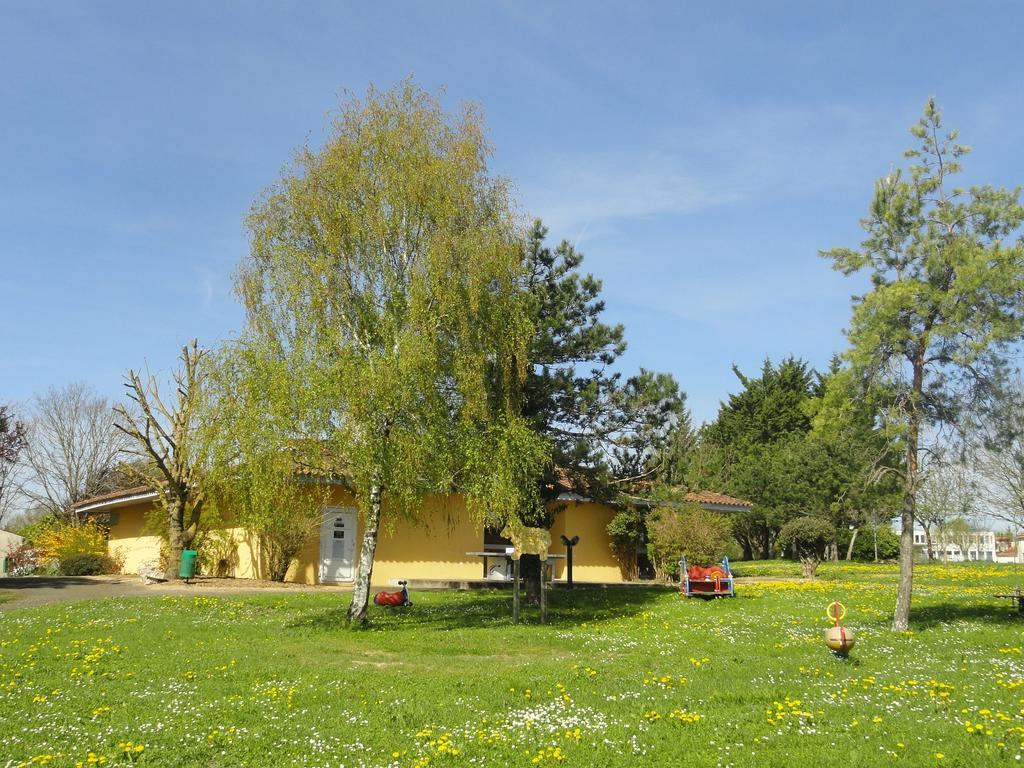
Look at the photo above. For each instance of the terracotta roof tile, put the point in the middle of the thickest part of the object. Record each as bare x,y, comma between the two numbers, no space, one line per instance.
123,493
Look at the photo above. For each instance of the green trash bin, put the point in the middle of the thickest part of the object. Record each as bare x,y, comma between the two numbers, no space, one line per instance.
187,569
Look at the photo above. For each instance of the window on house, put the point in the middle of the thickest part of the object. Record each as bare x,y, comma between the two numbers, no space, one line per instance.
494,541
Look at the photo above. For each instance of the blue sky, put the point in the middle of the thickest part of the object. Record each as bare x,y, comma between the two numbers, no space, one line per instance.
699,154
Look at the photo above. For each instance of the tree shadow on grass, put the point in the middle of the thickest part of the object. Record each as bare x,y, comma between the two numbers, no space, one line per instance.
486,610
988,613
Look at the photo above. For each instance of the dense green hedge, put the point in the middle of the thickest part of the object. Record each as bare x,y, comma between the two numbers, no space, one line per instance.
85,564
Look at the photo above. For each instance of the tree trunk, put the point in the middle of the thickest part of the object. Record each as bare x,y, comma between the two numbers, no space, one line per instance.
530,565
175,539
364,571
927,542
810,565
853,540
834,554
901,614
748,550
766,545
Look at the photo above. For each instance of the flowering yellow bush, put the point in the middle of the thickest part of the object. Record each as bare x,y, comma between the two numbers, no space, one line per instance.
61,539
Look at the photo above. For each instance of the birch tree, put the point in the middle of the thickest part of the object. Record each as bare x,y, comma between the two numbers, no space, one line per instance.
945,306
383,273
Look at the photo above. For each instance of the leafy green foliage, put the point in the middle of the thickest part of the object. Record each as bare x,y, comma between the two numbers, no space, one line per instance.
868,535
84,564
797,442
559,398
255,475
757,443
807,537
626,530
599,424
944,307
384,281
699,535
887,541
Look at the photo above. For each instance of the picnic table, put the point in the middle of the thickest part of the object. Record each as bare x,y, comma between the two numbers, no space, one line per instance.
1014,597
505,555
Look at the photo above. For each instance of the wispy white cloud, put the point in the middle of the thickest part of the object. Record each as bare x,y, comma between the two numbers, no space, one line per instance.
589,195
720,157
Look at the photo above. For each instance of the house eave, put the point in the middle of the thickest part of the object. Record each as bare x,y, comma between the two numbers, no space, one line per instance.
118,502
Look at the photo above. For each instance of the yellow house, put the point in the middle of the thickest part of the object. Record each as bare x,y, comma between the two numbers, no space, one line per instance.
443,544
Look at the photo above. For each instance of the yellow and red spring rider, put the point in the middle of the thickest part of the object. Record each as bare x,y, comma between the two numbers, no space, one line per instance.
837,637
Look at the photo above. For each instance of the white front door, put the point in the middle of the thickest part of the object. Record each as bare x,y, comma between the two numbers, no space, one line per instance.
337,544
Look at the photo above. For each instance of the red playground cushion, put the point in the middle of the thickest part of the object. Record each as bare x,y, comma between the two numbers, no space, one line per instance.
696,573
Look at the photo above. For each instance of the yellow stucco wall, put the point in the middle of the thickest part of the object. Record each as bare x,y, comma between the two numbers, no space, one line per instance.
592,558
129,537
433,547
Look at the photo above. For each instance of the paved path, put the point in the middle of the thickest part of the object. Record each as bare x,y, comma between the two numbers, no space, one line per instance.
40,590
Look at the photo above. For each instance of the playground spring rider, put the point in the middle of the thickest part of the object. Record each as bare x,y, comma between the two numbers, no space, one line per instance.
837,637
401,597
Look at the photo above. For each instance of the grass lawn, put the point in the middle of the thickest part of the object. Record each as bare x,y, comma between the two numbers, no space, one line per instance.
620,677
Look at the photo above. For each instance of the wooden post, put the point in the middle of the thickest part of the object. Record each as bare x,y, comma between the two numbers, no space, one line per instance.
543,592
515,591
569,544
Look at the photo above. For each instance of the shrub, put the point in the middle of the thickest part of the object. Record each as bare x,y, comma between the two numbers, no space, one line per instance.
31,531
888,544
807,537
699,535
84,564
626,530
59,539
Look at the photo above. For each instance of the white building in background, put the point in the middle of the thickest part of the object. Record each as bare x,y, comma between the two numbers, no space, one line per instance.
1010,549
976,546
